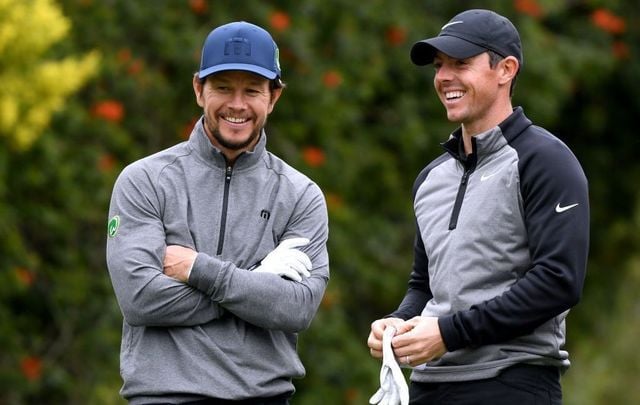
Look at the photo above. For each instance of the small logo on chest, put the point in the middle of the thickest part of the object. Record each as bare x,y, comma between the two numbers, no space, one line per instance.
264,214
487,176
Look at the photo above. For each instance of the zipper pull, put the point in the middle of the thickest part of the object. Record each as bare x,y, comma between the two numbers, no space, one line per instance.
228,173
465,177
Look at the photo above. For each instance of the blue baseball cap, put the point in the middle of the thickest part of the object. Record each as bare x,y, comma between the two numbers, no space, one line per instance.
468,34
240,46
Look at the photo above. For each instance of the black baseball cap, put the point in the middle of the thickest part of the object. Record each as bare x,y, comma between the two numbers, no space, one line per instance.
468,34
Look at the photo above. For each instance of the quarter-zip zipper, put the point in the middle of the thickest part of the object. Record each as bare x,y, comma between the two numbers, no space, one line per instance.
462,189
455,147
225,204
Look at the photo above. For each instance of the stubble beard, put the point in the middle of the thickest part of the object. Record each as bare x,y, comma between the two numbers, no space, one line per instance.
227,144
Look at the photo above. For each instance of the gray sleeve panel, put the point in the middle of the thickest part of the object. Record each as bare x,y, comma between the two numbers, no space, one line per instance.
267,300
135,256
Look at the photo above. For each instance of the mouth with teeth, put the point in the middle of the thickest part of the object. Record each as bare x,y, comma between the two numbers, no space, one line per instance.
234,120
453,95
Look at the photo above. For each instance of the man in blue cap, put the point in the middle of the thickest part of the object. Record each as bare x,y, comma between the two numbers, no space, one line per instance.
502,235
216,248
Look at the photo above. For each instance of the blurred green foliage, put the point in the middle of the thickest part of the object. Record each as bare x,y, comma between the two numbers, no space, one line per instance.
360,120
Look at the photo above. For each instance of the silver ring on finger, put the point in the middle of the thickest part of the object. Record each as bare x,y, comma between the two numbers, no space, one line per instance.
407,359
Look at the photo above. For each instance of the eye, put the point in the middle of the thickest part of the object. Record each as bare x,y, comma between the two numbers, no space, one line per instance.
254,91
221,88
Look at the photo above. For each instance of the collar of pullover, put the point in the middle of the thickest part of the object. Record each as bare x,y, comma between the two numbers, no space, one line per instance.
200,143
483,144
491,140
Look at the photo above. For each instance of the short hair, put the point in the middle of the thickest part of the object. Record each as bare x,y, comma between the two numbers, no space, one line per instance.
494,59
277,83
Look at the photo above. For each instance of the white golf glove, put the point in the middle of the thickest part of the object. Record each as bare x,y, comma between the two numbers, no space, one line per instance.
393,388
285,261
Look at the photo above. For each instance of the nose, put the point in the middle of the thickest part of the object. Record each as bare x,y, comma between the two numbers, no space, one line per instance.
237,100
443,73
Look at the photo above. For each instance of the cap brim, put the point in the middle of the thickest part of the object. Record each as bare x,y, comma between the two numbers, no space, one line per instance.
237,66
423,52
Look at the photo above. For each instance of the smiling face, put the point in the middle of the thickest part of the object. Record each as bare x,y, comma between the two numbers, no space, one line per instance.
474,94
236,105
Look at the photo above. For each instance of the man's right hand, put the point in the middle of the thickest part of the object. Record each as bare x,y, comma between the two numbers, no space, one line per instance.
377,330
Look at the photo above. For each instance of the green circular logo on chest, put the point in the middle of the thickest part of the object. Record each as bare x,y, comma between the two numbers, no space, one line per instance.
112,226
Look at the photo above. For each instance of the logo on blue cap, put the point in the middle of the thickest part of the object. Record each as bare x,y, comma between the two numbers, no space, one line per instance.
237,46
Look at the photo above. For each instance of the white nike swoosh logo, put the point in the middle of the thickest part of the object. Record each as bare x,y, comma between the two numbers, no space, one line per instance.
560,209
450,24
488,176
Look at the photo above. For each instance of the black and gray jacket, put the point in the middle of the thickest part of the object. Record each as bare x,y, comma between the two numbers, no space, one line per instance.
500,251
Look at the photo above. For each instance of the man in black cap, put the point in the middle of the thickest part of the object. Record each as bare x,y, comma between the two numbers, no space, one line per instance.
502,235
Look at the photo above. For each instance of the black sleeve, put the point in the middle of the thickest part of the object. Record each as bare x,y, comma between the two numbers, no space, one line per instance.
556,213
418,293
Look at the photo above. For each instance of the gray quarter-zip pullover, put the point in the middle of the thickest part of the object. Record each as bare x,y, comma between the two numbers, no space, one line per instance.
228,333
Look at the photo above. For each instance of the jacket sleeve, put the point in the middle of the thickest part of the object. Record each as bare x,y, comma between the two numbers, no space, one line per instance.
418,291
556,213
135,253
267,300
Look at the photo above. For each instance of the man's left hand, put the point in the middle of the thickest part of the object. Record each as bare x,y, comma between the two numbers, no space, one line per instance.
418,340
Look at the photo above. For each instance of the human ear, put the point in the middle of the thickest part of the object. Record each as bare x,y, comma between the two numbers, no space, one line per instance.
275,95
198,88
509,67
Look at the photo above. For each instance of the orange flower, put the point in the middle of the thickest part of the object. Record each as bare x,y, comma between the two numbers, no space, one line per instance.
188,127
313,156
529,7
395,35
620,50
25,276
31,367
608,22
332,79
352,396
198,6
124,55
279,21
108,110
106,163
329,299
334,201
135,67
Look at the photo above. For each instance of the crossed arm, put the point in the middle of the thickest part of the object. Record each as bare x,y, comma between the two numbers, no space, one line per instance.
154,288
284,261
